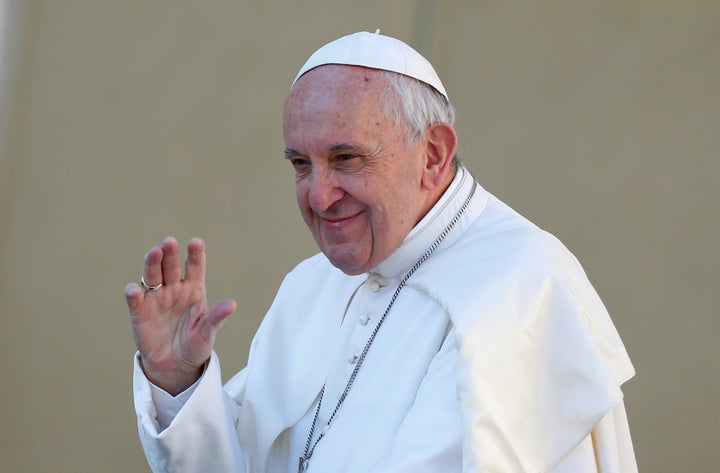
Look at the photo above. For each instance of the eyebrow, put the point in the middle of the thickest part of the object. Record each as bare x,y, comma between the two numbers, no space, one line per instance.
346,147
292,153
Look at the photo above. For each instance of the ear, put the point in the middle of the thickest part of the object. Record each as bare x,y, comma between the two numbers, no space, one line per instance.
441,144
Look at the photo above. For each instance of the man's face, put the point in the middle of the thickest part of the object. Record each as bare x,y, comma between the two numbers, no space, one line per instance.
358,180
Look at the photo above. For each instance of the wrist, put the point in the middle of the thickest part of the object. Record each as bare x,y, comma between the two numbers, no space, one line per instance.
173,380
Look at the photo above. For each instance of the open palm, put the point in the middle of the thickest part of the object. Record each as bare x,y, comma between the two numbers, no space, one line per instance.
173,327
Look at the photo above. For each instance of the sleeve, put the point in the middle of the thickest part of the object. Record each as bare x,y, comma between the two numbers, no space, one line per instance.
167,406
201,437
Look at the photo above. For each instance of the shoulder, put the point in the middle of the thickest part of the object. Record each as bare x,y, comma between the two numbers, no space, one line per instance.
502,245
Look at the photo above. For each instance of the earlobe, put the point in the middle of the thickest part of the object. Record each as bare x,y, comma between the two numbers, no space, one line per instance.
441,144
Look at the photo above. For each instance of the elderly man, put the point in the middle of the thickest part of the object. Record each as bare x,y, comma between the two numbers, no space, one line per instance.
437,330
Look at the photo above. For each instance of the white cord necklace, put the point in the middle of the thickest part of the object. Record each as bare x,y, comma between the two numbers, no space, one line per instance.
304,460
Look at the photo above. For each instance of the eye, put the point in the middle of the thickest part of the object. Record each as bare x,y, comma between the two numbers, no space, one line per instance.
298,162
345,157
300,165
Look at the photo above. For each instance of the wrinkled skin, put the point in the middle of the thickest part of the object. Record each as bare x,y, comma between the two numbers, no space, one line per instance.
360,185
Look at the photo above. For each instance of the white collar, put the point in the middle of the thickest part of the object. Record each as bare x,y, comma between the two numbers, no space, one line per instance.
433,223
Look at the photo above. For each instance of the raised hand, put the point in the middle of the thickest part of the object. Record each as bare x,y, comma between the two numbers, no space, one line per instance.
173,328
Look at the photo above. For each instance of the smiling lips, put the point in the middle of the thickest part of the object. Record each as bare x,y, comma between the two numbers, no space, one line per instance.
336,224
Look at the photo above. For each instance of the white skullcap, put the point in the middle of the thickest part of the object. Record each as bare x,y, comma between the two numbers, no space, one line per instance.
375,51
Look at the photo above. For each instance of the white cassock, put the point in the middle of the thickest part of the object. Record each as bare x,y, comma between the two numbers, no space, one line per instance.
497,356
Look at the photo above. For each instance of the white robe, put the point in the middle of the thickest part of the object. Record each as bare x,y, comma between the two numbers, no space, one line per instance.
498,356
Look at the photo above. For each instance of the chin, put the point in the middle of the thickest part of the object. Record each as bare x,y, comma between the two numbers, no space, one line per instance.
350,269
348,264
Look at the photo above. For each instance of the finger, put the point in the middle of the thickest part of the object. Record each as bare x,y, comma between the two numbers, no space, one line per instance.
152,271
218,314
171,267
195,262
222,310
133,296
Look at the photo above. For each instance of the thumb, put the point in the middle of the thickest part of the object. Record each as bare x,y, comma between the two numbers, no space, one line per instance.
221,311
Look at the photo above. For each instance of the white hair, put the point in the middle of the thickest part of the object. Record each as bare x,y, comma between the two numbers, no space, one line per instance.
415,105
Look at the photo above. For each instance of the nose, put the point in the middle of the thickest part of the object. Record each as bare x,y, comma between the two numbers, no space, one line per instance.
323,191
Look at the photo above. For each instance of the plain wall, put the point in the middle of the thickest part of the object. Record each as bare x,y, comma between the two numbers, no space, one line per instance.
123,122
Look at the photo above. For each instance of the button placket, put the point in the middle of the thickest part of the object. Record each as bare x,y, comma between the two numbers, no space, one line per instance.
370,302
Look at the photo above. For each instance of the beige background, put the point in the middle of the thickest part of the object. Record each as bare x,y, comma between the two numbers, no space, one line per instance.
122,122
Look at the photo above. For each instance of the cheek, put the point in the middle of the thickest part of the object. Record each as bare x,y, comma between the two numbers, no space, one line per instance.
399,211
301,196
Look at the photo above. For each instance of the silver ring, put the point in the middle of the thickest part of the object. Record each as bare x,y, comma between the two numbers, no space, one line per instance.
149,288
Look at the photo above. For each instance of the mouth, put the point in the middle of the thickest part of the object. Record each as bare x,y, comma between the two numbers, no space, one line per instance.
338,223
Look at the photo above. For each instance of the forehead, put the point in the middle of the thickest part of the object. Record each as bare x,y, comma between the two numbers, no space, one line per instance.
335,98
333,83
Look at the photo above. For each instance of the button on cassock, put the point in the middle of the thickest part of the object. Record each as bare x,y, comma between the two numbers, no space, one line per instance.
374,285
